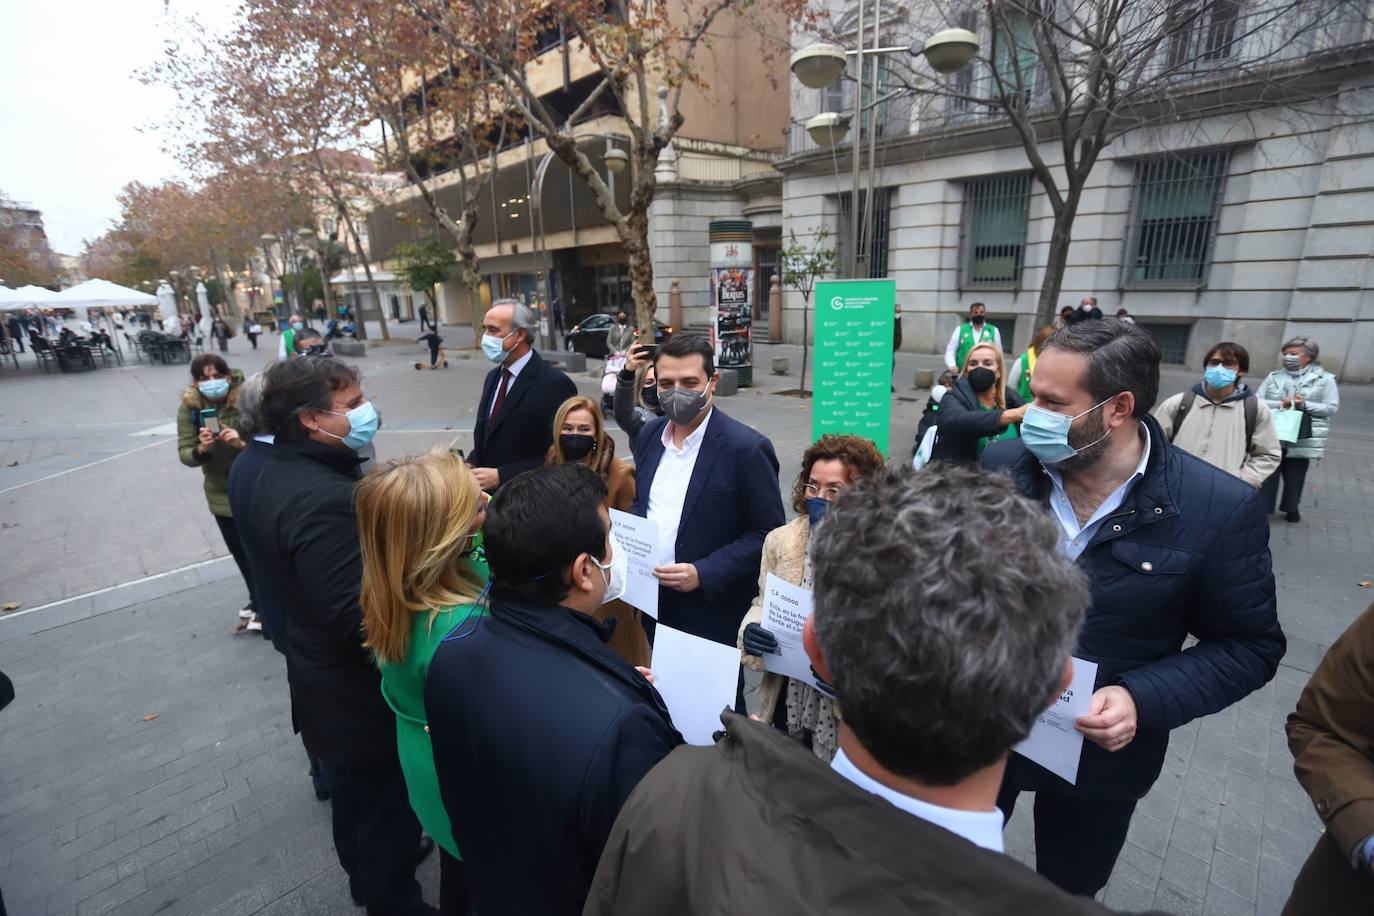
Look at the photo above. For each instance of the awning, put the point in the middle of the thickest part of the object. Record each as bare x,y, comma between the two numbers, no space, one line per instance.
358,276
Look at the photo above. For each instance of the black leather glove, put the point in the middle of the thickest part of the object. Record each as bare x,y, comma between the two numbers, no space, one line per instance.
758,641
822,684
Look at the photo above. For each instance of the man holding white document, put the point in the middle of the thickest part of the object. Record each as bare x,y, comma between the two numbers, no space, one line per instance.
938,676
1172,547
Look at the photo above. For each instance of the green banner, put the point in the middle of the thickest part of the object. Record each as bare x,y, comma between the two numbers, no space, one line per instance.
853,343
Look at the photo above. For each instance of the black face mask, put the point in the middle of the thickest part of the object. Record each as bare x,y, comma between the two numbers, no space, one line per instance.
575,448
981,378
977,319
651,398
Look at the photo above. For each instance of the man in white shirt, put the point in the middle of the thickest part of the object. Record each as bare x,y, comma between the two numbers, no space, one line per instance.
968,335
939,676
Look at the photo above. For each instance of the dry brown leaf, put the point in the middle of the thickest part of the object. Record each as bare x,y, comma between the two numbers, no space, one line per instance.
1364,583
10,606
150,718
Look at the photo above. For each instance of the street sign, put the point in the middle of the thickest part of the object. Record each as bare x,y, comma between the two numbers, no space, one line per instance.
853,343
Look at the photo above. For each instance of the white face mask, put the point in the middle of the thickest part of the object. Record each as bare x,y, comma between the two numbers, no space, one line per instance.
617,571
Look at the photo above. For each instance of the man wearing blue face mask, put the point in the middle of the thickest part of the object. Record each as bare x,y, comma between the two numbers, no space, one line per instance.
1172,547
514,425
303,532
1222,421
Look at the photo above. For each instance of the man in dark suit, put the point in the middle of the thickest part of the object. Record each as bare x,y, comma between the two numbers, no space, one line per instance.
305,537
711,485
514,427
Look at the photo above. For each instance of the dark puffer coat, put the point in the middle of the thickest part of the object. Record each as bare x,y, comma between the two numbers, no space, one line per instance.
1186,554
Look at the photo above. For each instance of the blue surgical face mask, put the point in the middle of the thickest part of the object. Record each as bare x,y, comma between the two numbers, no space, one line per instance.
816,509
494,347
215,389
1219,377
1046,433
298,325
362,425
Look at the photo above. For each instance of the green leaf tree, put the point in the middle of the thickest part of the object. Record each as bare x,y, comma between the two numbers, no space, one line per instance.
802,266
425,265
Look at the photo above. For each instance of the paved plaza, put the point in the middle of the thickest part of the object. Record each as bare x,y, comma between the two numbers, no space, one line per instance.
148,764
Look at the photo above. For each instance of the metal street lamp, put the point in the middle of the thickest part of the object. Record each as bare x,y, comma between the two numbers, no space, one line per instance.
818,65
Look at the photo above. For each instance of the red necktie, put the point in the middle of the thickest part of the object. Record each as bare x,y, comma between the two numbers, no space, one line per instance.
501,393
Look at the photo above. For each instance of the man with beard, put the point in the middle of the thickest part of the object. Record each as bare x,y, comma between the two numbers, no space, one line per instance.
1172,547
969,335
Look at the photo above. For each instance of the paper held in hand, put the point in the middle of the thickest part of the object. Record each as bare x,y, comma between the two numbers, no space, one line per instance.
1053,742
638,537
697,679
785,609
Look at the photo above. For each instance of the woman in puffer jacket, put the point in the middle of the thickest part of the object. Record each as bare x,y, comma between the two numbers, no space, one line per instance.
1302,384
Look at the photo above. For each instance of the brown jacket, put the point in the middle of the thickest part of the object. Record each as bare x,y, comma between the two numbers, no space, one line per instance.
1331,735
756,824
629,640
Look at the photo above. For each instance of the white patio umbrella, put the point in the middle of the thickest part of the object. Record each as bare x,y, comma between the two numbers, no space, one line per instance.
167,302
104,295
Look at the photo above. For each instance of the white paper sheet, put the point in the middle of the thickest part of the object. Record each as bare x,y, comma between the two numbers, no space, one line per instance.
785,609
1053,743
696,678
639,539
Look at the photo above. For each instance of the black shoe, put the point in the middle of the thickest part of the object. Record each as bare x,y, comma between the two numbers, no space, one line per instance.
426,847
1292,517
321,787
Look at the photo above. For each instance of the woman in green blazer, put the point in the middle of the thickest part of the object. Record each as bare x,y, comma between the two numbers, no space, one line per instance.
419,522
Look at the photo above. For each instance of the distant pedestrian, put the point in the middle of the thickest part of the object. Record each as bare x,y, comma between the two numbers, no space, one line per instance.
1302,385
16,331
419,519
1123,315
1222,421
831,465
286,347
580,437
221,332
1331,735
968,335
1063,320
436,351
619,336
251,330
1172,547
1019,376
1087,311
208,438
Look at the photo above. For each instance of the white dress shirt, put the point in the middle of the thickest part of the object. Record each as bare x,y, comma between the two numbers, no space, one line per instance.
669,489
514,370
981,828
1076,538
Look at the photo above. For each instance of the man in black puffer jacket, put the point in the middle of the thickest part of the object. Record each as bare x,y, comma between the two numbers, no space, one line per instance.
1172,547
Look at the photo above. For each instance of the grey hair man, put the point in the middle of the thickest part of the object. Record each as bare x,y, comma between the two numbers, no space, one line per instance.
1173,547
943,653
514,426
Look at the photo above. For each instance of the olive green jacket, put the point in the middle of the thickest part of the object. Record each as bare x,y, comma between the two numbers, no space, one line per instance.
214,465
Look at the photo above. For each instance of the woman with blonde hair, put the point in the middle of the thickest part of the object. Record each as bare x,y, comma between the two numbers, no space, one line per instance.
423,578
580,437
979,409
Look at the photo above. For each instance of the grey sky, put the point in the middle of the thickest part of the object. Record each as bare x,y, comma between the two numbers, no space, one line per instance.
71,108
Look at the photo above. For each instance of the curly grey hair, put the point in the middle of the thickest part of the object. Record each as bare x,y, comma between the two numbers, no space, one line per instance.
1304,343
945,613
250,406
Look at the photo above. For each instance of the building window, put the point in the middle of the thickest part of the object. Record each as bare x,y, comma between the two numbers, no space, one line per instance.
835,95
874,259
1176,206
1201,33
994,240
1172,340
1016,58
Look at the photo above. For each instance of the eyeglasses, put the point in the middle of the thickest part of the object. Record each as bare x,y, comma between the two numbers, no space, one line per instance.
830,492
1228,363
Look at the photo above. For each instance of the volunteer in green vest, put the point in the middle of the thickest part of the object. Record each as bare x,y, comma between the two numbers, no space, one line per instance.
1018,379
287,347
1302,385
968,335
419,519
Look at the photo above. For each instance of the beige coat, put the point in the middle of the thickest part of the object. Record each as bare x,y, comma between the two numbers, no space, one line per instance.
1216,434
784,555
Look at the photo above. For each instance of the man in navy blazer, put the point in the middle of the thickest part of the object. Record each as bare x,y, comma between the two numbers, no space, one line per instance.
711,485
514,427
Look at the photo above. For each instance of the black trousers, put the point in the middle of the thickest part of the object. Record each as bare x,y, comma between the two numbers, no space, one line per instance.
376,834
1293,471
1077,839
230,533
453,885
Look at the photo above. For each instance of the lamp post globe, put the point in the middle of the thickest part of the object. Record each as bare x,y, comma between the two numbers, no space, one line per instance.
828,128
949,49
817,65
267,238
617,160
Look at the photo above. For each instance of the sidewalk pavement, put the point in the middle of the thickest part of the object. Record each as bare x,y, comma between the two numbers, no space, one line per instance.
207,807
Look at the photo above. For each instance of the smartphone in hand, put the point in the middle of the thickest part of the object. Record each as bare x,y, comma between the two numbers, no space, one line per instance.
209,418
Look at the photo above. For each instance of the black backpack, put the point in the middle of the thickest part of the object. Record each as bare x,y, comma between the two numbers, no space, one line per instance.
1251,416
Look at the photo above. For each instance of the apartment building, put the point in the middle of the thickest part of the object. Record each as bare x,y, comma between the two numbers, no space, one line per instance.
718,167
1253,223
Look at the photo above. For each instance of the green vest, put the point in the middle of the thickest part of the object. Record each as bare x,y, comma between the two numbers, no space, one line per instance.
1027,367
290,336
967,341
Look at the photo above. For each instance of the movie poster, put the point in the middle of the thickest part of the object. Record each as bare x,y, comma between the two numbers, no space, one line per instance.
733,312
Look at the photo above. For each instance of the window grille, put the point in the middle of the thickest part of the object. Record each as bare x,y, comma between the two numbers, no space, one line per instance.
1172,340
1177,200
994,229
875,258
